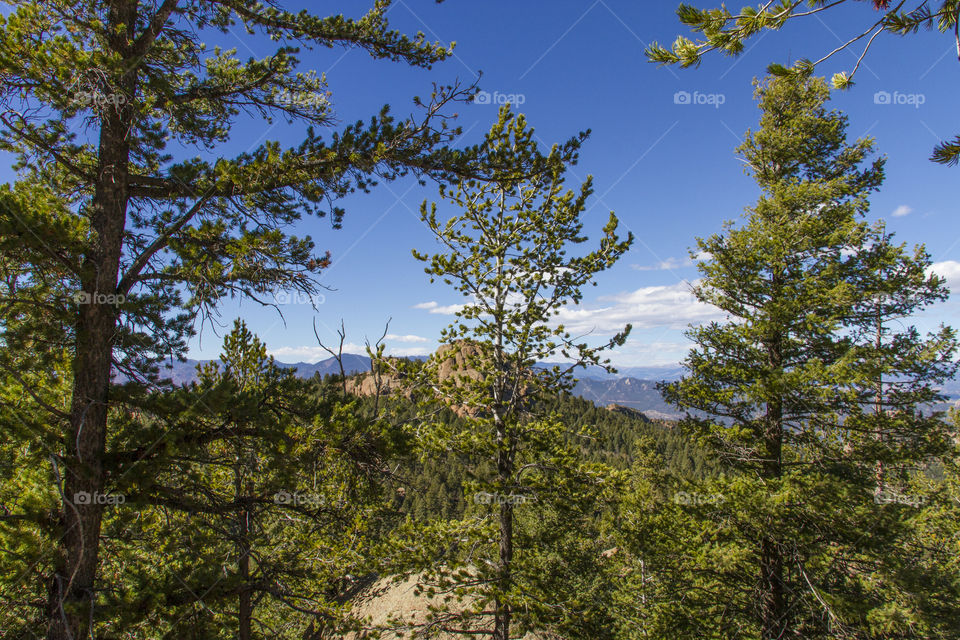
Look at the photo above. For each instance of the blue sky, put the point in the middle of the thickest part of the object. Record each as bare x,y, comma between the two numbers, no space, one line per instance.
663,162
661,153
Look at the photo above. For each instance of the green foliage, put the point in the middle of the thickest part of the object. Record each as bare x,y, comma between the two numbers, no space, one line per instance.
188,228
812,496
435,487
931,556
255,514
809,397
506,251
28,492
119,236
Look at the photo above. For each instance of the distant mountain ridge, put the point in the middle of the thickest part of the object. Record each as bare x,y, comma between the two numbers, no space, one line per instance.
633,387
181,373
633,393
185,372
655,372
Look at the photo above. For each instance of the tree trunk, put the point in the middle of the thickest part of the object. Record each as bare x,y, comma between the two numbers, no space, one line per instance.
773,603
502,610
72,588
245,606
501,629
878,405
773,606
505,452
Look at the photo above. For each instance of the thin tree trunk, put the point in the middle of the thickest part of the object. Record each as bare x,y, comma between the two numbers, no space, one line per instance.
502,611
505,449
773,606
773,602
878,405
245,606
72,588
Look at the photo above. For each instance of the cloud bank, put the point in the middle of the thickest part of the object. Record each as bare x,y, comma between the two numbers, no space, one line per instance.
667,307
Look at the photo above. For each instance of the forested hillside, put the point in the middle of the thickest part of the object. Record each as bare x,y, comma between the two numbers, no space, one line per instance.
436,487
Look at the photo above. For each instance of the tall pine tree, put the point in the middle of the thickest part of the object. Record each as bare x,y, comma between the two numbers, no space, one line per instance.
508,250
101,103
785,544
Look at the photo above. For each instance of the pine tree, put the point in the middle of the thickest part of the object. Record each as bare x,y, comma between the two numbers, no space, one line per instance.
257,513
785,388
506,250
101,100
897,373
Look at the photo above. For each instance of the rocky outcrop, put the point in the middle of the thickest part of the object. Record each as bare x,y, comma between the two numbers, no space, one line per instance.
365,384
454,361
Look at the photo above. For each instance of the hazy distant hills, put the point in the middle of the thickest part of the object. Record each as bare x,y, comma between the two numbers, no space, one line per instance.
634,387
634,393
185,372
663,372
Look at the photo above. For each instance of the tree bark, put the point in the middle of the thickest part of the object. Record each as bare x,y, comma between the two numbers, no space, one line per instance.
773,603
245,606
505,451
501,629
878,403
773,606
72,588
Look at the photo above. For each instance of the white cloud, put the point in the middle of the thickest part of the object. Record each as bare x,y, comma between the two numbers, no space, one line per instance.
316,353
434,307
393,337
409,351
648,354
902,210
949,270
312,353
665,265
672,306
